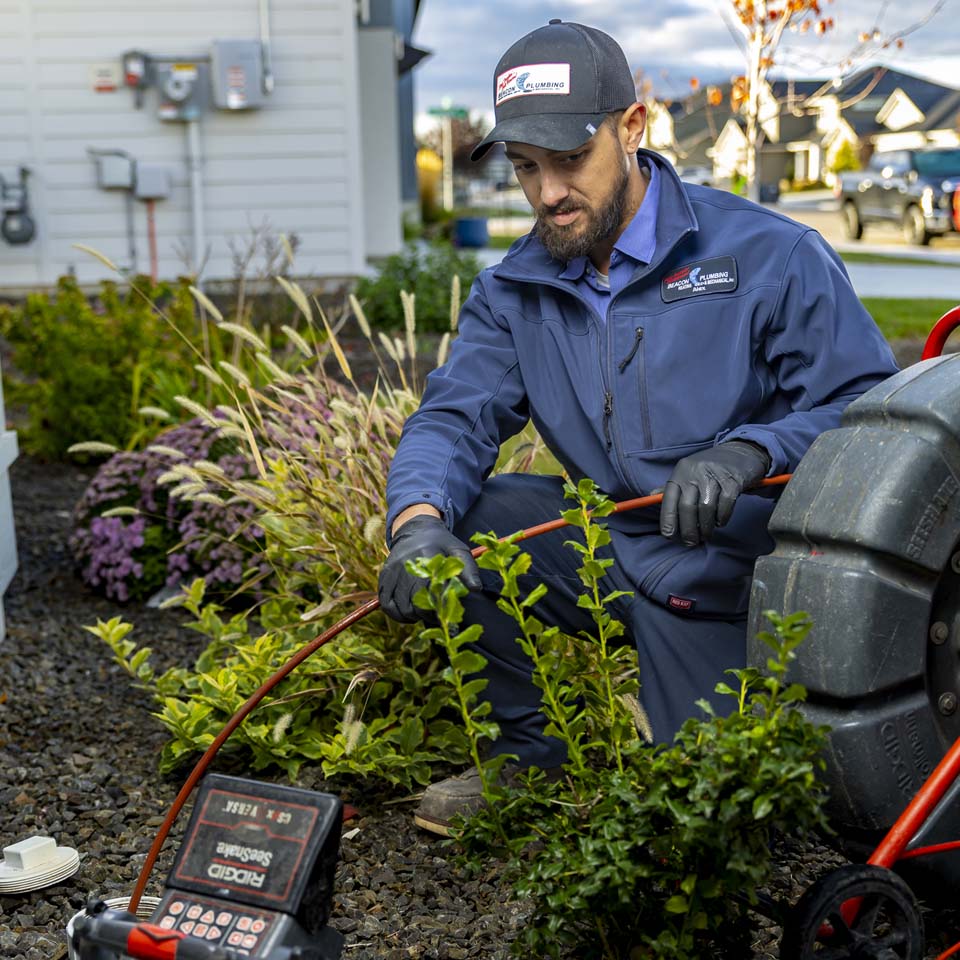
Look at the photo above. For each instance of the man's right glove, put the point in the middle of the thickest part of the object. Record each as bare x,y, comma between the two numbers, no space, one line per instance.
420,536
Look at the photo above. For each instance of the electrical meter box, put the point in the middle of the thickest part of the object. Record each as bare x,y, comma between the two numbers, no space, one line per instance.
183,90
153,181
237,74
114,172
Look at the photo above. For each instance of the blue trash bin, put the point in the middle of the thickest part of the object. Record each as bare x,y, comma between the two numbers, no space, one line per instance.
470,232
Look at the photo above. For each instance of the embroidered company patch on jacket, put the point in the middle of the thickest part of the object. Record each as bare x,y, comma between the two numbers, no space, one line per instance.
717,275
533,78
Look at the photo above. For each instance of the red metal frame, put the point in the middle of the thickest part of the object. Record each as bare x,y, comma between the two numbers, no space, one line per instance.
942,329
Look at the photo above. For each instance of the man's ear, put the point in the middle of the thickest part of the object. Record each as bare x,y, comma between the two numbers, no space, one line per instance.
633,122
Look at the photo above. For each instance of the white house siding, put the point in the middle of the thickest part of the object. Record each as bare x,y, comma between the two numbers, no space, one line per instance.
8,540
294,165
380,136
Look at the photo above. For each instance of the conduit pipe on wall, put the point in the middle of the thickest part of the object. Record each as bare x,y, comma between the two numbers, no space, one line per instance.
265,46
195,166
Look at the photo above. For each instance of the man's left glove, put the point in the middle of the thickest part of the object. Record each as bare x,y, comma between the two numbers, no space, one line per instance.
704,487
420,536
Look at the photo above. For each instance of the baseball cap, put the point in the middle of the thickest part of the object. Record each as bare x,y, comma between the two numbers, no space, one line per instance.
554,86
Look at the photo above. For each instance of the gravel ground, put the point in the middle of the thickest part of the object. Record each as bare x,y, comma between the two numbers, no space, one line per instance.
77,762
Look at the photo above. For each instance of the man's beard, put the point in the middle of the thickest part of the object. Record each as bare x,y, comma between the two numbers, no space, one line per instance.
568,242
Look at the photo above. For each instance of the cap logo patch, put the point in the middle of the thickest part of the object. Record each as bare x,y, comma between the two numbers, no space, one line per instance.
533,78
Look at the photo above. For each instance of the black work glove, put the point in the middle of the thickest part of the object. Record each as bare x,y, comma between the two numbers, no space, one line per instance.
703,488
420,536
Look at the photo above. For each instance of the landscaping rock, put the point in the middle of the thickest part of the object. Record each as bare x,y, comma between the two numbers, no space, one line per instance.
78,751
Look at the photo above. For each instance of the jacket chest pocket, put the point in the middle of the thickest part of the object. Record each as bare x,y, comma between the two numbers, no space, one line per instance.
685,376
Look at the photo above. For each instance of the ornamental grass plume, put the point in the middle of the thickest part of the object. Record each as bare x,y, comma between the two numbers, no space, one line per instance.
317,448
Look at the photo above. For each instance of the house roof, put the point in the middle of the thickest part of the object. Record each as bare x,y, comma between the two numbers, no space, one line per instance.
696,124
796,89
945,113
695,120
866,91
924,93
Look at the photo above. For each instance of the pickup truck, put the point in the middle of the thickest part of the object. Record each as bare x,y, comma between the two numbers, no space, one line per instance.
917,189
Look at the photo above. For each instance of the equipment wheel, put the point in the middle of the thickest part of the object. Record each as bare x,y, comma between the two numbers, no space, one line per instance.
915,227
853,225
886,926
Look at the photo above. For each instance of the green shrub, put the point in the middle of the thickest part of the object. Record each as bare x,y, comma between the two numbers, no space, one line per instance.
108,369
372,703
81,367
845,159
426,272
639,851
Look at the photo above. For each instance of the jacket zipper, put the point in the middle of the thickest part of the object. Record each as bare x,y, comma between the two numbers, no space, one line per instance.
642,383
607,414
633,352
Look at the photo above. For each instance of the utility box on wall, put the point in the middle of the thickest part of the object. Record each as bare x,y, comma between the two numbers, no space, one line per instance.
236,74
182,90
8,540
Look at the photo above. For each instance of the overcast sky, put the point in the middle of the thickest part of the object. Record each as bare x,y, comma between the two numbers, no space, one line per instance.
671,40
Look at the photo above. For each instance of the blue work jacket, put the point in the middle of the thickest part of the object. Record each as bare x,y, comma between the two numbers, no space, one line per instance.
743,326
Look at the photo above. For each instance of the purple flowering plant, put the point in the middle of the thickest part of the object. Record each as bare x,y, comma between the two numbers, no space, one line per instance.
131,537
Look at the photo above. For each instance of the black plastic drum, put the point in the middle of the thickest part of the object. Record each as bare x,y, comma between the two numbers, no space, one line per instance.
868,543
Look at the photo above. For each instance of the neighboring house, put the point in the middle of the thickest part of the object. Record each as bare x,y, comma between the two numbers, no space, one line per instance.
784,123
696,126
806,123
326,156
882,109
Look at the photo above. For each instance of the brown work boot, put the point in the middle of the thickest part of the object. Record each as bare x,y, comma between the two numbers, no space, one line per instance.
460,794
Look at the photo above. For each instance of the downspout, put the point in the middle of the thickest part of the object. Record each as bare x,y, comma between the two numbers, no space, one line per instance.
265,46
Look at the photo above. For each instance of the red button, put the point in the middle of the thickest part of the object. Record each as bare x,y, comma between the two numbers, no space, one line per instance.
224,918
249,941
200,930
208,917
235,939
258,926
214,933
176,908
186,927
243,923
168,922
194,912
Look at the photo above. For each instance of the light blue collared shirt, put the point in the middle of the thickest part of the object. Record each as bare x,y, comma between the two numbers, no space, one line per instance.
635,246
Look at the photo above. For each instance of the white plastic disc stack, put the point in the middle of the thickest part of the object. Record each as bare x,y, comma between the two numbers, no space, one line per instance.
34,863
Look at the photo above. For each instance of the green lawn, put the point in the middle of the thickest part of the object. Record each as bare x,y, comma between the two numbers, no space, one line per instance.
502,243
898,319
855,256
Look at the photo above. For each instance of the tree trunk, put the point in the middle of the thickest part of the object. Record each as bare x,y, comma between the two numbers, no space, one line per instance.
754,78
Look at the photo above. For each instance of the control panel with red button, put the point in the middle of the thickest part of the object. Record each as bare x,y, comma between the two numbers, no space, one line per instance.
253,878
243,929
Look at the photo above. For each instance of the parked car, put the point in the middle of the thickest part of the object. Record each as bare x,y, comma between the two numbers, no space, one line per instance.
917,189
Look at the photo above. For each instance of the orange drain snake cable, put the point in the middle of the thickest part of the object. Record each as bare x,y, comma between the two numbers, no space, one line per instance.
307,651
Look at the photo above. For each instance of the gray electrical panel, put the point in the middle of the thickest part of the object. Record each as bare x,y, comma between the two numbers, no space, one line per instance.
236,68
153,181
182,88
114,172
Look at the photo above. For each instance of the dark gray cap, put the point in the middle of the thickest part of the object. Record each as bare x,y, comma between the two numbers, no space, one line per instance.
554,86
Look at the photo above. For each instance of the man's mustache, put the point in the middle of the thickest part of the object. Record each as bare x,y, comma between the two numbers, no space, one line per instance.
564,206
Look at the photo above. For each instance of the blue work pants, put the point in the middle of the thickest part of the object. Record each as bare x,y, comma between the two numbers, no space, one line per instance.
681,657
